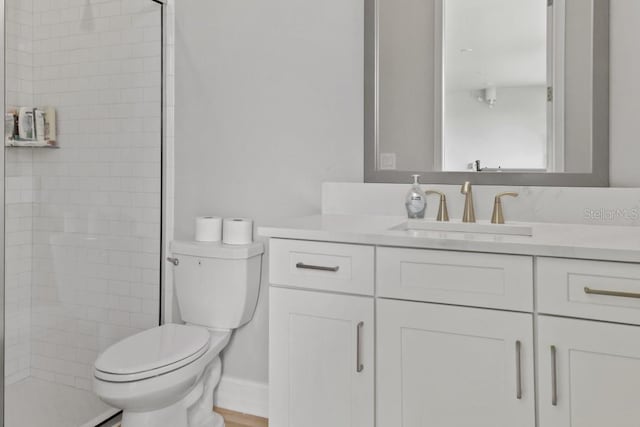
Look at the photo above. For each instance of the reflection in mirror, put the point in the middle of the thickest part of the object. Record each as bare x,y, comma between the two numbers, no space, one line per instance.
495,85
518,87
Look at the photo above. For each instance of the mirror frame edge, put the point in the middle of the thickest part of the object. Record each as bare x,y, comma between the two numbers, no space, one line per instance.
600,167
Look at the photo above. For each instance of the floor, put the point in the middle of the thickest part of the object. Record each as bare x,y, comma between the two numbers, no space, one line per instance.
235,419
58,405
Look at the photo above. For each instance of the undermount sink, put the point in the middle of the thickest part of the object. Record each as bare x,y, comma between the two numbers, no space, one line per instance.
483,227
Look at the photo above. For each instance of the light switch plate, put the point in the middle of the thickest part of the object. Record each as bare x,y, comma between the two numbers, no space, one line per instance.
387,161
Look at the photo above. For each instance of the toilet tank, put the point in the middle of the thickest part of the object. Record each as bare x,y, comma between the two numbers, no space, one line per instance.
217,285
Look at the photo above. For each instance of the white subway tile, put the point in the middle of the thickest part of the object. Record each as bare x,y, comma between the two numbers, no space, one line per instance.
77,281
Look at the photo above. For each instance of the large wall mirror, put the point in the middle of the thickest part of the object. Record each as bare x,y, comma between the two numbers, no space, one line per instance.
504,92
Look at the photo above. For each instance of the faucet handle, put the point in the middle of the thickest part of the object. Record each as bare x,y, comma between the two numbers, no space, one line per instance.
443,212
497,217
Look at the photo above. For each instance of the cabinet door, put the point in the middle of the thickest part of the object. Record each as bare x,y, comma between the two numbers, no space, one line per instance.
589,373
321,362
444,366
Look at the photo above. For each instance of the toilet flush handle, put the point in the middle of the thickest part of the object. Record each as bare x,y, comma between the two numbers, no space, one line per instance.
174,261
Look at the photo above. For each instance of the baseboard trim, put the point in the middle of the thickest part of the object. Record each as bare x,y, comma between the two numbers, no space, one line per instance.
247,397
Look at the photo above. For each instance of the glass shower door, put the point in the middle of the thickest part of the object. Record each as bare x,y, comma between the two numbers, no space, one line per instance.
83,173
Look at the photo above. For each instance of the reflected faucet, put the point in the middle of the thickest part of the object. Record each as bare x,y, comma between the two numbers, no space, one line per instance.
469,214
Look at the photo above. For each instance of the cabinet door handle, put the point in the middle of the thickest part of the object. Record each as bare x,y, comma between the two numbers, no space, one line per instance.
303,266
554,376
518,370
359,365
589,291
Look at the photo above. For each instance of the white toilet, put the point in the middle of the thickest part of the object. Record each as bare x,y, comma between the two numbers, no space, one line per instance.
166,376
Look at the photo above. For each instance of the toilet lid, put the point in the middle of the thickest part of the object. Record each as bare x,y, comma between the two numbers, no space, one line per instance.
154,348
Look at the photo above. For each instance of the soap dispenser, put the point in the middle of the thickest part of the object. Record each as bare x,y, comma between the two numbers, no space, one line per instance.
416,200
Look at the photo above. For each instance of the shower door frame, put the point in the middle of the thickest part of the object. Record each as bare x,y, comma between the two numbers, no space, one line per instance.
165,208
3,64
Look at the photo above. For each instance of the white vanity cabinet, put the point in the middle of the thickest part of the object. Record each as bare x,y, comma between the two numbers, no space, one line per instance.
321,344
449,366
459,339
331,267
608,291
588,373
460,278
454,365
588,370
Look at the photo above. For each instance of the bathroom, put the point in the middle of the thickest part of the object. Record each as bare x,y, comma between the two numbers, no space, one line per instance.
165,111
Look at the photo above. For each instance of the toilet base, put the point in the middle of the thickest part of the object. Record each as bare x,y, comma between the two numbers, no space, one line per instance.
172,416
194,410
213,420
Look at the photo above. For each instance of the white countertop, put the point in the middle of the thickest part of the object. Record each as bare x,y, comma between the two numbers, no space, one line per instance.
611,243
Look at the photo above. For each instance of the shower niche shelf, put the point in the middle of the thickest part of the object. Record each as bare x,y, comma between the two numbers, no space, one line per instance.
29,144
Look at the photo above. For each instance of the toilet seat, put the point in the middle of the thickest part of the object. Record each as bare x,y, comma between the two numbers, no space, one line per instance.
153,352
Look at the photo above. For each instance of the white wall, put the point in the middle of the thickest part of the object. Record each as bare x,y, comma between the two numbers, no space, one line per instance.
268,106
625,93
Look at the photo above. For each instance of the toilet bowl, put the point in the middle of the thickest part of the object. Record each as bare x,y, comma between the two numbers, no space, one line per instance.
150,375
166,376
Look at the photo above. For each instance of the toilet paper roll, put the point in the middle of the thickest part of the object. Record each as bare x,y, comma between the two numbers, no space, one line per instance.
208,229
237,231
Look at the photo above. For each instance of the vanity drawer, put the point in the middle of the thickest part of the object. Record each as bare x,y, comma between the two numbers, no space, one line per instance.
322,266
589,289
461,278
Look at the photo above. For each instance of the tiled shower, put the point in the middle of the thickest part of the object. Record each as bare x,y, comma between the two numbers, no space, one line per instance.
83,217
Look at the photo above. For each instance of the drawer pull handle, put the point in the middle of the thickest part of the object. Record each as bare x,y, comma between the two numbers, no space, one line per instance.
304,266
554,376
620,294
359,365
518,370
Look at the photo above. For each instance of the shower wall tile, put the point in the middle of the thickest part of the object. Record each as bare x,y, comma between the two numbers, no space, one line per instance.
83,221
18,255
19,52
20,187
94,235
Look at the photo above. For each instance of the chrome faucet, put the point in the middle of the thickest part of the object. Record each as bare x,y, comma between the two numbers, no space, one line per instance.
469,214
